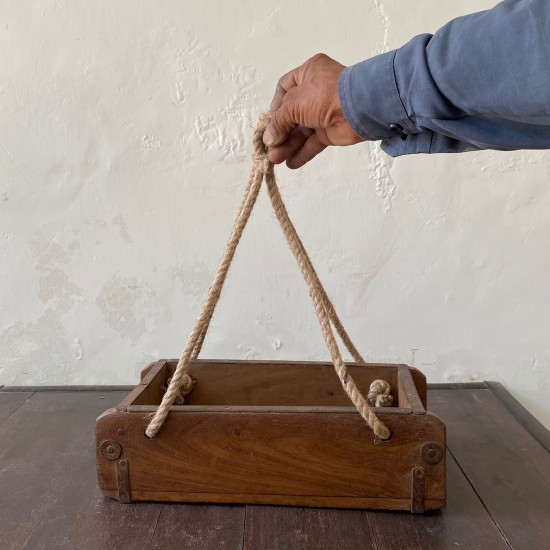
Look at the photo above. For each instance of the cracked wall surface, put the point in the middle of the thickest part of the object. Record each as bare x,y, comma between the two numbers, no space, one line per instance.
125,133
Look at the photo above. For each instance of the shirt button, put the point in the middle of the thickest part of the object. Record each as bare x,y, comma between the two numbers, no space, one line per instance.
398,129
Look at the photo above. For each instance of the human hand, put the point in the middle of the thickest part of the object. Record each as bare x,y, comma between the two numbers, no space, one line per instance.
307,115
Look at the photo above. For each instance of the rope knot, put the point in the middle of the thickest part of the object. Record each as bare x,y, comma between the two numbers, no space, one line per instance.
185,388
259,155
379,394
262,162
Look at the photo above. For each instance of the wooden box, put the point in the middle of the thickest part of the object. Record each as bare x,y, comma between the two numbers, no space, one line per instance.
269,432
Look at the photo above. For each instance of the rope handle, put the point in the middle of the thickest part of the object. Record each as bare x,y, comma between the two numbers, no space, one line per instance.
181,381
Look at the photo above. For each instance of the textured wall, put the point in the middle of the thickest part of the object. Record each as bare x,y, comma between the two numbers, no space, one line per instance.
124,150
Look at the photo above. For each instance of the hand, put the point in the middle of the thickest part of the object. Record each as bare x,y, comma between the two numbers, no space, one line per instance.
306,113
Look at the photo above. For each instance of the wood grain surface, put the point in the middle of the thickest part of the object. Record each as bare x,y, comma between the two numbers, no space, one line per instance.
274,457
261,432
10,402
49,497
505,465
271,383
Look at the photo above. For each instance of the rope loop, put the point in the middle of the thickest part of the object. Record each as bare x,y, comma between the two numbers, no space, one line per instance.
181,382
259,154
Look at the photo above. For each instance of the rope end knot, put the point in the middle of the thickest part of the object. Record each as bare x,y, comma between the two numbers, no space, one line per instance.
379,394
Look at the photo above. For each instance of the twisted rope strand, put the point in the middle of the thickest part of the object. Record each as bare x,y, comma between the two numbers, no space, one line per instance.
260,156
379,429
202,335
323,306
264,166
181,373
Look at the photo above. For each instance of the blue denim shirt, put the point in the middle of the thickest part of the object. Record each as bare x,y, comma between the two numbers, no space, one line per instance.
481,82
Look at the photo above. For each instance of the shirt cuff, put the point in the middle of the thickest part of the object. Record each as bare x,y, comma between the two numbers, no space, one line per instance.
370,99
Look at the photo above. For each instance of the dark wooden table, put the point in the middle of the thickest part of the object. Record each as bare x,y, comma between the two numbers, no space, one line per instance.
498,486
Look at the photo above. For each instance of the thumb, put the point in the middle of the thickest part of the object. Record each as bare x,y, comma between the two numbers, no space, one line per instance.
280,127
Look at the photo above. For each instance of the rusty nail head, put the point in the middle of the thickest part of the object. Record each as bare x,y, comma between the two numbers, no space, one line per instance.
432,453
110,449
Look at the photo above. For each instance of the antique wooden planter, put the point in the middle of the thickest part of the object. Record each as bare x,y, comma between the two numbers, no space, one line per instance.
269,432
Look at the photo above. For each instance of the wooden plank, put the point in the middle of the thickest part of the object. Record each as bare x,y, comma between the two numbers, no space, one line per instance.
263,383
464,523
147,409
408,389
199,526
457,386
281,458
10,402
508,468
521,414
152,386
269,382
279,528
47,475
33,389
381,503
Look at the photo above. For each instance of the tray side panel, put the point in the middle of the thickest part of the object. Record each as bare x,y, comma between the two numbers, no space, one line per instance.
271,383
322,457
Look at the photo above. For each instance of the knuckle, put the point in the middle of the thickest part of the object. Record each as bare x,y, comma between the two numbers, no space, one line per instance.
274,125
319,57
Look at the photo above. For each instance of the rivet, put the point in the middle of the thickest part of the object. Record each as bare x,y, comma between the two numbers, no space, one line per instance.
432,453
110,449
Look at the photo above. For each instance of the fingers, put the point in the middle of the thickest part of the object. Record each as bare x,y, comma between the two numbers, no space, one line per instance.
286,83
286,150
310,149
283,122
303,113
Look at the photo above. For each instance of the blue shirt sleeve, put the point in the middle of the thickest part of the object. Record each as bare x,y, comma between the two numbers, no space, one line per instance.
481,82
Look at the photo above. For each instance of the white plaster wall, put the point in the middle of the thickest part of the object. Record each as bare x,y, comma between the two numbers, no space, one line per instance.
124,150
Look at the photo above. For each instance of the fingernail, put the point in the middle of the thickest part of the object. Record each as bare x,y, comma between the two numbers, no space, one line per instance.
268,138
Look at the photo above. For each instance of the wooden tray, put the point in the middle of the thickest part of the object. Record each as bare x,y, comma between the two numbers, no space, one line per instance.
268,432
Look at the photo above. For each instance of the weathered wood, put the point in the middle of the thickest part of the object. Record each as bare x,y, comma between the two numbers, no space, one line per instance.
521,414
153,383
199,527
508,469
271,433
457,386
407,391
259,409
10,402
282,528
464,523
232,382
49,498
48,488
64,389
304,458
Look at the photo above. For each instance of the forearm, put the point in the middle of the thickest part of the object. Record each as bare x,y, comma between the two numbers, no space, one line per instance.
482,81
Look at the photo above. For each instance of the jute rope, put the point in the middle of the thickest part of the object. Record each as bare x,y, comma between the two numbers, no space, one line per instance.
181,382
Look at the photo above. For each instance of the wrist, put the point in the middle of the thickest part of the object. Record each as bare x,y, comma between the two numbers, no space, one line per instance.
370,99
